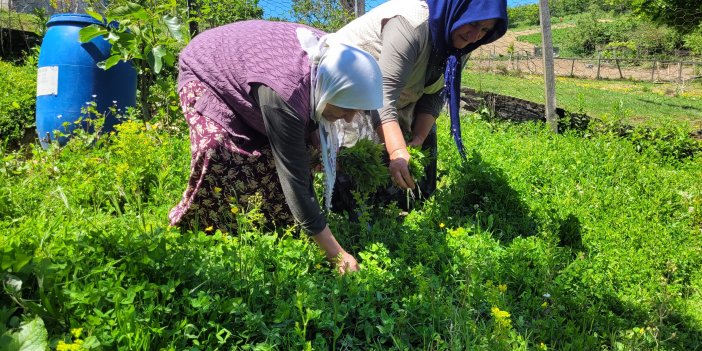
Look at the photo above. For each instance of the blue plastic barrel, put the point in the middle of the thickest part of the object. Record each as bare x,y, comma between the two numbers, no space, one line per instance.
68,79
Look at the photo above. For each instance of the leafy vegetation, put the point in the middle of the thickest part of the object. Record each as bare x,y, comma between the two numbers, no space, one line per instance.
327,15
657,28
625,37
364,162
539,241
17,103
525,15
149,37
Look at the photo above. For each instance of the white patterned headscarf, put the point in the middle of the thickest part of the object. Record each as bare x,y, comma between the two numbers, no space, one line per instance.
343,76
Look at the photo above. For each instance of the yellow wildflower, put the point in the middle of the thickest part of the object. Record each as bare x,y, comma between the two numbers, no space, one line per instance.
498,313
545,304
502,288
543,347
76,332
441,225
501,317
209,229
217,189
62,346
234,209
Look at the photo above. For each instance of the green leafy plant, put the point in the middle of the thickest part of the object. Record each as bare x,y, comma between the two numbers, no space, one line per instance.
213,13
17,104
419,160
363,162
327,15
149,37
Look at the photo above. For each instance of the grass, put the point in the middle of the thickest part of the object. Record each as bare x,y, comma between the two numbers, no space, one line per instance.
609,231
640,103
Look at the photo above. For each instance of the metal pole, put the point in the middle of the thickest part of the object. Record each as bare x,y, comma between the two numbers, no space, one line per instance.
549,75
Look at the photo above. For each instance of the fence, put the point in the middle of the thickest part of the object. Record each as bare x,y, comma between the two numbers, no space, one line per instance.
653,70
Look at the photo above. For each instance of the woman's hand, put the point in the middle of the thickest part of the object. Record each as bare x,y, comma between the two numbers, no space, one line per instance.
391,134
345,263
336,254
399,169
416,142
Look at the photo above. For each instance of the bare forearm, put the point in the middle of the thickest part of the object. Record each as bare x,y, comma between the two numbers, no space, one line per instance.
391,134
336,254
327,242
422,127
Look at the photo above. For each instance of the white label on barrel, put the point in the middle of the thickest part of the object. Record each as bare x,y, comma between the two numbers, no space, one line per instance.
47,80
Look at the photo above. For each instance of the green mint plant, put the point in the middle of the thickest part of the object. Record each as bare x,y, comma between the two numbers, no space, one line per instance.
419,160
363,162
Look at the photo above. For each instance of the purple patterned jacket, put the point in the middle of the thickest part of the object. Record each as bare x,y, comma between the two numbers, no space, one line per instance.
230,58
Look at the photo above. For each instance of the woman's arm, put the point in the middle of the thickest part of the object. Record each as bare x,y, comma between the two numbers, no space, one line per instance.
423,123
336,254
287,133
400,49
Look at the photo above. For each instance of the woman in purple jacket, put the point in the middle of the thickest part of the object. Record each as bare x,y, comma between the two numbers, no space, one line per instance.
256,95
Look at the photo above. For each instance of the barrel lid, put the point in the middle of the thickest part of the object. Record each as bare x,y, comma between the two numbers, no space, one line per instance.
74,18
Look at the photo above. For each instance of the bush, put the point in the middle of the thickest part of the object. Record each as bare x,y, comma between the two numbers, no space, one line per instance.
215,13
523,15
588,34
651,39
17,102
693,41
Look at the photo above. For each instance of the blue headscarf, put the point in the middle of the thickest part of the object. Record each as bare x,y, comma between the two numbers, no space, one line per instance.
445,16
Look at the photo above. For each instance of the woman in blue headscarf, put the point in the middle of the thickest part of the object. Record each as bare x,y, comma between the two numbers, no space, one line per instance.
421,46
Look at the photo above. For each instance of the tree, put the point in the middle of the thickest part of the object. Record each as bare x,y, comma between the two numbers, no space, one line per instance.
683,15
327,15
213,13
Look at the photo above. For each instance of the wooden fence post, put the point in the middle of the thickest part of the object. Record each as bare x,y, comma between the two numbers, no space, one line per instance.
621,76
572,66
653,71
549,74
680,72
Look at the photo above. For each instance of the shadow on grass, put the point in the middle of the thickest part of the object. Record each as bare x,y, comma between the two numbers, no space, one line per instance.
686,107
628,326
479,192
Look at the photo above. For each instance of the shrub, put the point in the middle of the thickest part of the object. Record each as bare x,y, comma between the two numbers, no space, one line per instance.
523,15
588,34
17,102
693,41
